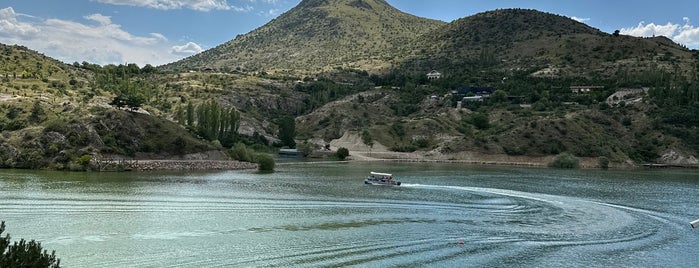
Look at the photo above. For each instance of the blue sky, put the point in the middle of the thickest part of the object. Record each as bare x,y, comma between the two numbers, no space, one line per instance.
160,31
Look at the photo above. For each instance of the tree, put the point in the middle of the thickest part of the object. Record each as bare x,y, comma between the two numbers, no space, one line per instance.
179,115
24,254
265,162
480,121
190,114
499,96
287,131
342,153
37,113
603,162
367,139
565,160
135,100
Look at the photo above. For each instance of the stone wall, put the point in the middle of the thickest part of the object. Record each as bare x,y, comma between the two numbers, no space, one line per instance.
145,165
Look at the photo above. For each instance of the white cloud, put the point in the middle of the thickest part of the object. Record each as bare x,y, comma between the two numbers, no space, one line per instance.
651,29
582,20
98,40
10,26
101,19
190,48
200,5
686,34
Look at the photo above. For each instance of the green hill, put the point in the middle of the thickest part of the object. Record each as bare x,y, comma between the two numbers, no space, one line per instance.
319,35
53,115
543,44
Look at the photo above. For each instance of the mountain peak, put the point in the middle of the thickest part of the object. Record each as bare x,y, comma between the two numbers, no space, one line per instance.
318,35
366,4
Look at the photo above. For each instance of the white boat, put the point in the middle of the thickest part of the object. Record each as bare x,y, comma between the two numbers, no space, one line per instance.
377,178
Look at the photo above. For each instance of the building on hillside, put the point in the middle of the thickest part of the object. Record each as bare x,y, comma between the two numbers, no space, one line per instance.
434,75
461,92
584,89
628,95
465,95
473,99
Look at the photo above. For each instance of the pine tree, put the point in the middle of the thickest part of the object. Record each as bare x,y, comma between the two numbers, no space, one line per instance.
190,114
24,254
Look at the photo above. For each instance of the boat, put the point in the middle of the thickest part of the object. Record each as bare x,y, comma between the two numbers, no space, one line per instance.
377,178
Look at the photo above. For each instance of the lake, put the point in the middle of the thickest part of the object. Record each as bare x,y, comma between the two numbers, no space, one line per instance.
443,215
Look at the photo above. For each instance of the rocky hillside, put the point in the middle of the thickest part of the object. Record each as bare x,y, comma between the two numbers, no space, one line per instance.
54,115
318,35
543,44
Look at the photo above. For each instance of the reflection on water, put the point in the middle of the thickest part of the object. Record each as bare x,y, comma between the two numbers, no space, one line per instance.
323,215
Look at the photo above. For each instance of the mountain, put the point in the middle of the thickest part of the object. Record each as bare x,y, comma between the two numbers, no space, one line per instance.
543,44
319,35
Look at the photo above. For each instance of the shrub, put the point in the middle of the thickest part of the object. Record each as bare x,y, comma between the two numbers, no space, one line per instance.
81,163
565,160
240,152
265,162
603,162
421,143
342,153
515,149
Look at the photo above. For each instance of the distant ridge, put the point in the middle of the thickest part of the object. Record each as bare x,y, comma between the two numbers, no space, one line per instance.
540,42
371,35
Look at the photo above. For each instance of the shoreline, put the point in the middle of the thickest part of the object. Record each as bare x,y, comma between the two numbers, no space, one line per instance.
471,158
466,158
171,165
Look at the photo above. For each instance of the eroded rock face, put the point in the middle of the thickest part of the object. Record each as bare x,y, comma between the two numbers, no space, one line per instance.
677,158
8,154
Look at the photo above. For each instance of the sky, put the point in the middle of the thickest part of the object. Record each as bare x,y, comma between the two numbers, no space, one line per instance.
157,32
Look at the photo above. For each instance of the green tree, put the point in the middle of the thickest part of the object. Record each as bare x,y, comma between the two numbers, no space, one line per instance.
287,131
367,139
603,162
265,162
565,160
215,122
24,254
342,153
179,115
480,121
134,100
190,114
499,96
37,113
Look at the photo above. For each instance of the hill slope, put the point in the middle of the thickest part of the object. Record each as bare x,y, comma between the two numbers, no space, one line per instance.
543,44
53,115
317,35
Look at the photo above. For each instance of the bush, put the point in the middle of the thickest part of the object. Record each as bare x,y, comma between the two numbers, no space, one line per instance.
265,162
565,160
240,152
24,254
342,153
421,143
515,150
603,162
81,163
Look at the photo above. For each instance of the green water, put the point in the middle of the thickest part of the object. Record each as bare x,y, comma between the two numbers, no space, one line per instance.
443,215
